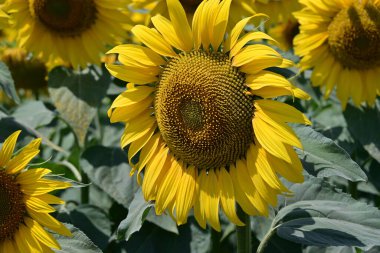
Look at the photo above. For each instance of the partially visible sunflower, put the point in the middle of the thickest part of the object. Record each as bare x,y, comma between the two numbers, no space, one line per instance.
74,31
284,33
199,112
27,72
24,201
239,8
279,11
340,39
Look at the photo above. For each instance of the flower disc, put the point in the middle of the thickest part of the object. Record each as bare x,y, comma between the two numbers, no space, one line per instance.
66,17
12,206
354,36
203,111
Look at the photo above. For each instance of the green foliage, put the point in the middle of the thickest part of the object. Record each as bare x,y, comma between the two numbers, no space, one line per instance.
7,83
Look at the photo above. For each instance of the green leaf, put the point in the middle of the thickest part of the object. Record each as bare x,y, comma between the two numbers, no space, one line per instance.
7,83
108,168
77,95
164,221
342,249
138,211
364,124
33,114
320,215
91,220
322,157
79,242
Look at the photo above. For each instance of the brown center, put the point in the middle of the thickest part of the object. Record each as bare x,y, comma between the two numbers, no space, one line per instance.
12,209
202,110
67,18
354,36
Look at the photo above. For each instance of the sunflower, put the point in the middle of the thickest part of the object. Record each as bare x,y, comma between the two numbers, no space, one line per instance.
74,31
28,73
340,40
25,199
239,8
198,114
279,11
284,33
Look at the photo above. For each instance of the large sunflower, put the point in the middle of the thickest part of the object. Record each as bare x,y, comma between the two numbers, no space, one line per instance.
74,31
198,109
279,11
25,199
340,40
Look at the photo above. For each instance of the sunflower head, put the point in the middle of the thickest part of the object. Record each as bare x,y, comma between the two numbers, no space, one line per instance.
28,73
25,199
69,30
199,111
354,36
341,42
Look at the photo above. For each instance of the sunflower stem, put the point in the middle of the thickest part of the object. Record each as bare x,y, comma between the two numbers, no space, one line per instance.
85,191
244,244
215,241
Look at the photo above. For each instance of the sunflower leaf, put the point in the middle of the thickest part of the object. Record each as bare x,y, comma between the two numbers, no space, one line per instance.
108,168
322,157
7,83
364,125
138,211
77,94
79,242
320,215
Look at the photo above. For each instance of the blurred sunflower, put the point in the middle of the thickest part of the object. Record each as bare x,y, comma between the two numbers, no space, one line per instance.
74,31
284,34
340,40
25,199
197,110
279,11
239,8
28,73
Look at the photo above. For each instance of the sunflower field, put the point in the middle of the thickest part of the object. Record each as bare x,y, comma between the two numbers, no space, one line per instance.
190,126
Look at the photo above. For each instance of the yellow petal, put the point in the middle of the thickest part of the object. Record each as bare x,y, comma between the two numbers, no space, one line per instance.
253,53
220,24
139,53
48,221
227,196
43,186
165,27
151,38
137,128
40,234
19,162
130,97
247,38
138,144
281,112
168,189
8,148
244,198
198,25
152,173
181,25
134,74
238,28
186,193
31,175
209,198
148,151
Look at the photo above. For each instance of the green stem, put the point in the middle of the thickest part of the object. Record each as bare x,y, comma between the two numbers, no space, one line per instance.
215,241
85,191
265,240
244,244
